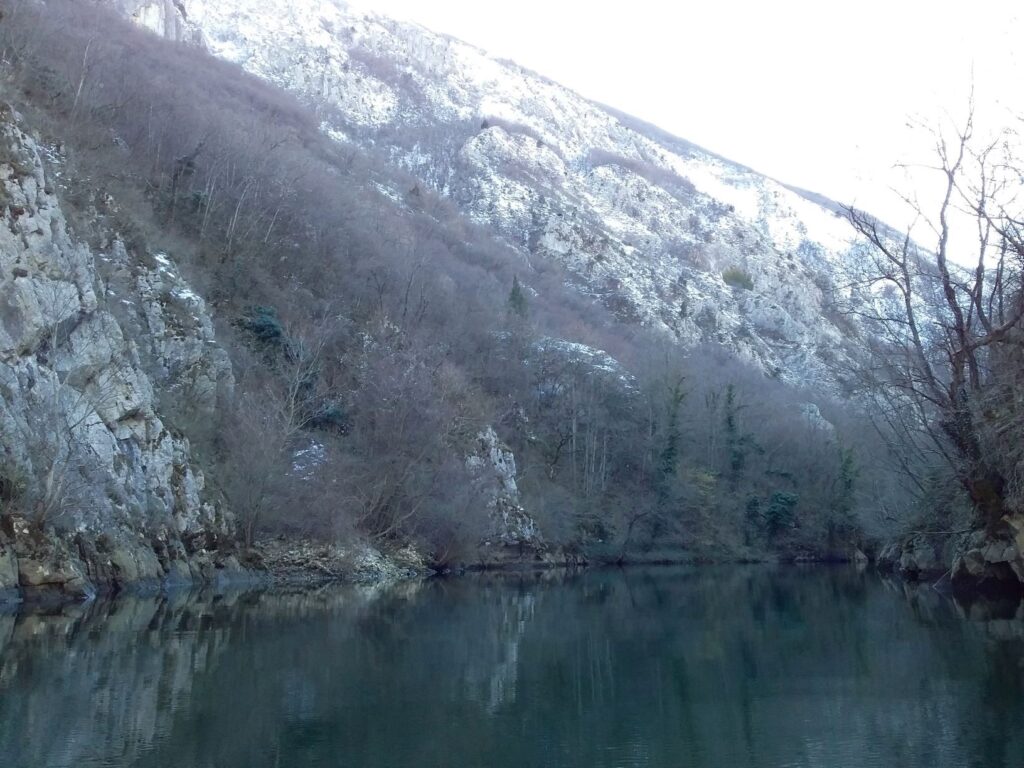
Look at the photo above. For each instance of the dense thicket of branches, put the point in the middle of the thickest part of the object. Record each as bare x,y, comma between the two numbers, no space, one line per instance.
946,367
373,338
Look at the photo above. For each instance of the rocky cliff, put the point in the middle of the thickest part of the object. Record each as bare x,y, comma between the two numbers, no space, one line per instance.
100,491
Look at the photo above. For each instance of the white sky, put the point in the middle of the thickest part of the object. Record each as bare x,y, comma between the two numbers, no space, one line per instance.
814,93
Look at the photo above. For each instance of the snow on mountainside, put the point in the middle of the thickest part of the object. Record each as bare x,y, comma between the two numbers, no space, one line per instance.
648,224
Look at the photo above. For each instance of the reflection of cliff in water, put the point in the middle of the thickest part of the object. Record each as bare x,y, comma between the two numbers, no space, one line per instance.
661,667
1001,617
84,675
491,676
81,684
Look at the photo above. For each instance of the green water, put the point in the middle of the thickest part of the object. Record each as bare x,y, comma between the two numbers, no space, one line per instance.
660,667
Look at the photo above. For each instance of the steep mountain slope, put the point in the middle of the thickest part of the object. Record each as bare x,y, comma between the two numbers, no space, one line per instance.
450,298
664,233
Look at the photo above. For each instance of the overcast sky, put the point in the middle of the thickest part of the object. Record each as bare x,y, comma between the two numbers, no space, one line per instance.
815,93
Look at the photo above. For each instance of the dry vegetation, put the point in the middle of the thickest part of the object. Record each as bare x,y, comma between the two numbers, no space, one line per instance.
381,334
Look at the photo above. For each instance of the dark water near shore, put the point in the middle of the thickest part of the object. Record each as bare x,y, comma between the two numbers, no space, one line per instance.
721,668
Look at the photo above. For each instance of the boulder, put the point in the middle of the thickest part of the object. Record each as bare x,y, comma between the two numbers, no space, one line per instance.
48,567
135,563
920,557
990,561
889,557
970,565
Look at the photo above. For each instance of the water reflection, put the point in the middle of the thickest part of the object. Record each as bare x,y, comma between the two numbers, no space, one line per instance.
663,667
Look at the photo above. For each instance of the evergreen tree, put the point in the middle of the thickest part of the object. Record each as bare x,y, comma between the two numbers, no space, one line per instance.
668,463
846,483
735,442
517,299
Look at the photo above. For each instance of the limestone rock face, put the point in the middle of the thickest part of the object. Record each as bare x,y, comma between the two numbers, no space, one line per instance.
45,276
495,468
172,326
87,340
168,18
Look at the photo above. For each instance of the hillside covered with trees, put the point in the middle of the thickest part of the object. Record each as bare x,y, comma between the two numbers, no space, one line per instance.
315,338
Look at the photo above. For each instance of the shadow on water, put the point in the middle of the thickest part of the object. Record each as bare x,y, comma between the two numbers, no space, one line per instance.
714,666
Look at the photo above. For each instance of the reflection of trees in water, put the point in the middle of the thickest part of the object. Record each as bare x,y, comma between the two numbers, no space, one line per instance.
995,624
709,667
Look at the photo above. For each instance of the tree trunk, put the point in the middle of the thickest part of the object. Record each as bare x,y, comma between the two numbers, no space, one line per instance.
987,489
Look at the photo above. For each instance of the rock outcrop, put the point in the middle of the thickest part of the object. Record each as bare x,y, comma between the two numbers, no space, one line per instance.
97,490
168,18
975,561
494,465
992,560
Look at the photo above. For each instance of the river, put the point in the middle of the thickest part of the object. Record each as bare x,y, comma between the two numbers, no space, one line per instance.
750,667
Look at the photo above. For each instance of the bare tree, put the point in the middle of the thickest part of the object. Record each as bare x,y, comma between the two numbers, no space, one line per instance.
281,402
940,326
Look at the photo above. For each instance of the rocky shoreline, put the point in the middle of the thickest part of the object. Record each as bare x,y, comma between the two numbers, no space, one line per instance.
306,561
965,561
43,565
38,563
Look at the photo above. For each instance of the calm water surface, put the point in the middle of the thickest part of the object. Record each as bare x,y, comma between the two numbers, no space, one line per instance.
663,667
